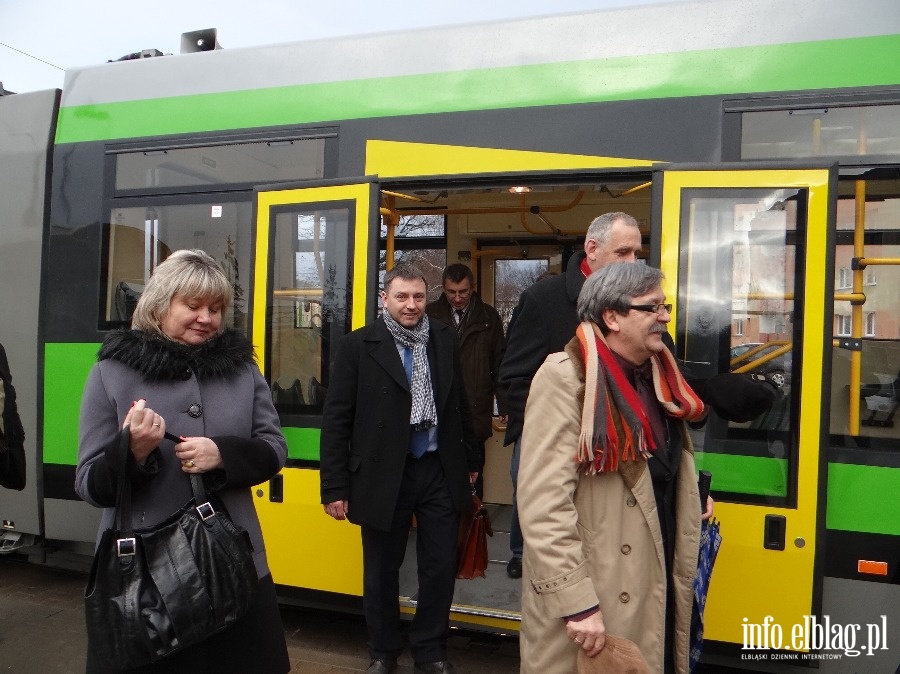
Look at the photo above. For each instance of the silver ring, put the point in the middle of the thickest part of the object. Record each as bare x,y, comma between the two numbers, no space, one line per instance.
156,424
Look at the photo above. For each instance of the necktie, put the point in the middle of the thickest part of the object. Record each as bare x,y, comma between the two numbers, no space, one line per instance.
407,363
459,317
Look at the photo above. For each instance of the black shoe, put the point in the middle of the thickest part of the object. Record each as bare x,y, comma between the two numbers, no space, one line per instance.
379,666
439,667
514,567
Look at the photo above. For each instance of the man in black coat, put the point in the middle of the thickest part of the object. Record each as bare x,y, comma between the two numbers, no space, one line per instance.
544,321
397,442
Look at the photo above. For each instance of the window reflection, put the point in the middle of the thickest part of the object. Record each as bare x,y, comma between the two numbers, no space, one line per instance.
865,379
818,132
309,304
252,162
736,313
140,238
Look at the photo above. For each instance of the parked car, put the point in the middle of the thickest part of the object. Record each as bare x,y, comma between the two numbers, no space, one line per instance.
776,369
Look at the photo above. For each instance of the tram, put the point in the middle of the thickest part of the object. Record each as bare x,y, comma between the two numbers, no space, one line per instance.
757,142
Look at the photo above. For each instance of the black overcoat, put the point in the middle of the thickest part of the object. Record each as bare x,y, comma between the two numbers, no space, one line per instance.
365,423
543,322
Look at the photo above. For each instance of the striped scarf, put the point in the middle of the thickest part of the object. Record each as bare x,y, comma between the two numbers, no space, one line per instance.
614,424
422,414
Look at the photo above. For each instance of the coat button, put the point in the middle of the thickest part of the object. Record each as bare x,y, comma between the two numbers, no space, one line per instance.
195,410
624,598
631,501
384,390
626,549
380,424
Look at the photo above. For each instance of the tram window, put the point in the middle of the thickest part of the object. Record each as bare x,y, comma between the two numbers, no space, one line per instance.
257,162
419,240
309,304
736,309
511,277
817,132
140,238
430,261
418,227
864,406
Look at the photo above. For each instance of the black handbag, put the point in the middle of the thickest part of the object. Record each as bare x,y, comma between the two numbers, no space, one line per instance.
156,590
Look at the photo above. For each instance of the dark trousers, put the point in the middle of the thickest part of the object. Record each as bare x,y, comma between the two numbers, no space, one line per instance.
516,541
423,493
479,483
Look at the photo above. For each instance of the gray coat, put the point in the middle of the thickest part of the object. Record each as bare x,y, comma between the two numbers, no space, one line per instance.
235,410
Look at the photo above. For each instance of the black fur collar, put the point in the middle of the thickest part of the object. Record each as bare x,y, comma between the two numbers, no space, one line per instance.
160,359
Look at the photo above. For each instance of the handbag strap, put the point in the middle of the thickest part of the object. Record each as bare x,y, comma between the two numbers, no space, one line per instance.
125,542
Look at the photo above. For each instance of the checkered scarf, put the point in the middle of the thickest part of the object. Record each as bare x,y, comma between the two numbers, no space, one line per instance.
614,423
423,413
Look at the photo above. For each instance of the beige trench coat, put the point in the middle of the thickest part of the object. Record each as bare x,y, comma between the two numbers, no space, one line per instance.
593,540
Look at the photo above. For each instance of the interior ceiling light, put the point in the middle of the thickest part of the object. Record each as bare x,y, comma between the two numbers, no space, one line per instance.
519,189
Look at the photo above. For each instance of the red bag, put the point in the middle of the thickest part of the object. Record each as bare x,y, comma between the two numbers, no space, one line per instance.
474,528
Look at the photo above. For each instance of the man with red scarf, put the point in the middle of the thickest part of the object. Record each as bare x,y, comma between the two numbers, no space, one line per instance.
543,321
606,471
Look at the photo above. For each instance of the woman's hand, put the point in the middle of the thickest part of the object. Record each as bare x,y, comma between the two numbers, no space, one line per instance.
588,634
198,455
147,429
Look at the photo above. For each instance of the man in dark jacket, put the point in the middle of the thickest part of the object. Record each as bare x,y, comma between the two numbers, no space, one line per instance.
544,321
397,442
481,345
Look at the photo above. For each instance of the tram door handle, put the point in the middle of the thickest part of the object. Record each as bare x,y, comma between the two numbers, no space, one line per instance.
775,531
276,489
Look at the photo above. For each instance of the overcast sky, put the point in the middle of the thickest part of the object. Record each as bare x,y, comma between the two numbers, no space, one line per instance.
59,34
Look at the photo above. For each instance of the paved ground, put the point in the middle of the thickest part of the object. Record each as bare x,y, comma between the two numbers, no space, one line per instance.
42,631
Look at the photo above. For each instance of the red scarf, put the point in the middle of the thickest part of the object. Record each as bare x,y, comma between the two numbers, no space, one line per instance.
585,268
614,424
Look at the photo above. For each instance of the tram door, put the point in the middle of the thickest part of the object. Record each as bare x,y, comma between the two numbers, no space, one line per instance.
312,282
746,258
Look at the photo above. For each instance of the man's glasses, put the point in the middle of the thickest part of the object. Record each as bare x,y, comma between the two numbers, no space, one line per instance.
653,308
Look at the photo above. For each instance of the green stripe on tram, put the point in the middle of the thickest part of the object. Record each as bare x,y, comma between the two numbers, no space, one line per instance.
757,475
854,62
303,443
860,497
66,369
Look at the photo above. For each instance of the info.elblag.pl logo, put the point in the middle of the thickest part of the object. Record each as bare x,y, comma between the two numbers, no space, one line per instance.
816,638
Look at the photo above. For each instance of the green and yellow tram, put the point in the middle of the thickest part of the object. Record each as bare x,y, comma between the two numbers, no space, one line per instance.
757,142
